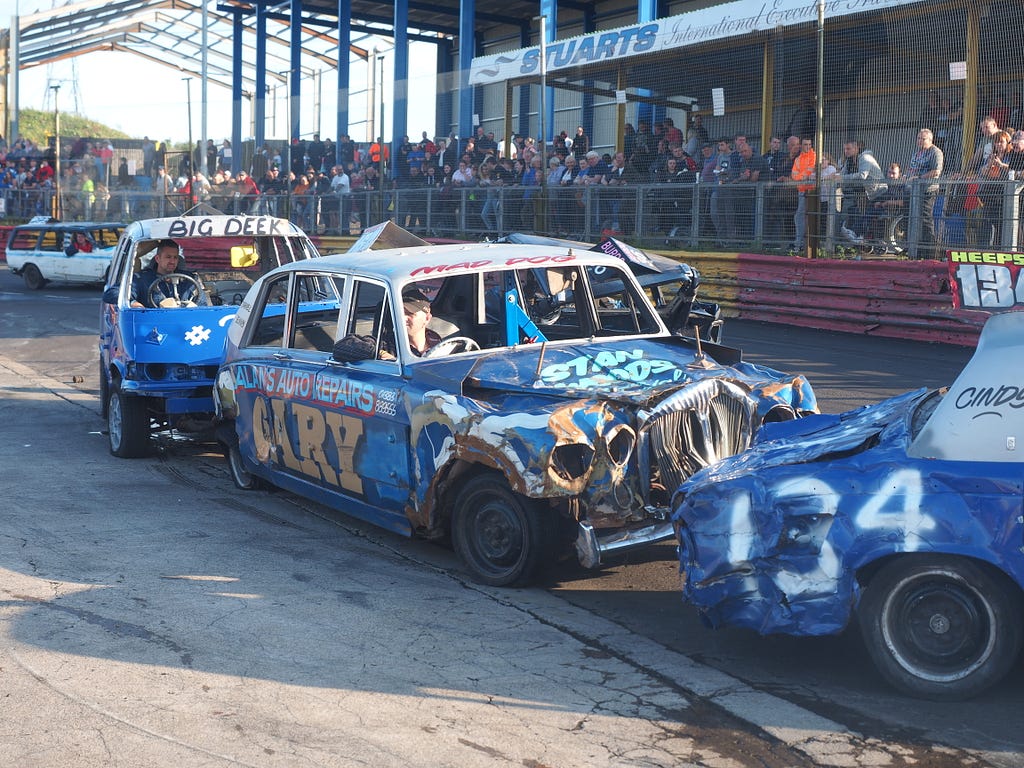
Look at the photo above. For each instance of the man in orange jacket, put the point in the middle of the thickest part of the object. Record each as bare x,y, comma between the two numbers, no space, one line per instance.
804,169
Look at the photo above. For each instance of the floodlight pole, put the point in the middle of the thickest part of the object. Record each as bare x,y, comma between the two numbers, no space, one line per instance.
540,210
371,101
543,85
191,149
380,143
58,209
288,143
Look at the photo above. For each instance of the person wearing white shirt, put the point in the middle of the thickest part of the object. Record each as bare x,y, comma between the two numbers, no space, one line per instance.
341,187
464,175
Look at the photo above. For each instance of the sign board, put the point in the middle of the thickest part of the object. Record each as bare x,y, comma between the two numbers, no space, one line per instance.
717,22
986,279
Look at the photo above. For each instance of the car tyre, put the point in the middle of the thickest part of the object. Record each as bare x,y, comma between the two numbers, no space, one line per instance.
242,478
34,279
942,628
104,392
502,536
127,425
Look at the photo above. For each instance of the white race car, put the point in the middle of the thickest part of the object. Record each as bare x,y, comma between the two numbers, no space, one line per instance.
45,250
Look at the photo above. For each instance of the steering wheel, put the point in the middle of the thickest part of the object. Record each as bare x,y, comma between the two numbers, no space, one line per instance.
451,346
545,310
175,299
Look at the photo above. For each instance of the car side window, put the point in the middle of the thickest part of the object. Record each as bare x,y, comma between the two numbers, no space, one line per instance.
620,310
52,241
269,330
106,238
24,240
317,305
550,299
371,317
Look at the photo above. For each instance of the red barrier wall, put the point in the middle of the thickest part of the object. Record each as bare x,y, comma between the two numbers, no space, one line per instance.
902,299
897,299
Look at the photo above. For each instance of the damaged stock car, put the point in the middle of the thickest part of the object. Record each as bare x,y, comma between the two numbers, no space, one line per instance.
547,406
163,326
906,514
45,251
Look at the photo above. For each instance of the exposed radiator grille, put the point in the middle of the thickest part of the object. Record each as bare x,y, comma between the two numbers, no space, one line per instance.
697,427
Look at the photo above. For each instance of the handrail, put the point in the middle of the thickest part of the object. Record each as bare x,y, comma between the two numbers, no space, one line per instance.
748,217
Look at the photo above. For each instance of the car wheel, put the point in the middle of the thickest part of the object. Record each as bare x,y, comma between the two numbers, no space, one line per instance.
104,392
33,277
127,425
242,478
499,534
942,628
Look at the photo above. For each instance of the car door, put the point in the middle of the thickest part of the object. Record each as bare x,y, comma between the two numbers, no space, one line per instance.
84,266
325,430
112,319
370,394
50,255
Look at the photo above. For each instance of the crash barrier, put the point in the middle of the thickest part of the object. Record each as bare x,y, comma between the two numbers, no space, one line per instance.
875,297
755,217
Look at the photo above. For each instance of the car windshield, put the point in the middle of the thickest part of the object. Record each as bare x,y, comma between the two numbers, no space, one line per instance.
508,307
227,266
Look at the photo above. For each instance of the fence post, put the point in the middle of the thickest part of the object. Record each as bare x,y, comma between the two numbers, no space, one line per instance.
1010,221
914,219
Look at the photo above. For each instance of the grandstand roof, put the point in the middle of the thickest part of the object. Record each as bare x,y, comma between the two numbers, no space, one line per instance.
168,32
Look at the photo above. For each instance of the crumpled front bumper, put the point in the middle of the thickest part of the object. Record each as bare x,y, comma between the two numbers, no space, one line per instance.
591,548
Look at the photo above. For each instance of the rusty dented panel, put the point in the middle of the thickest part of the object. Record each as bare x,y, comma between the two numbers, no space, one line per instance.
447,430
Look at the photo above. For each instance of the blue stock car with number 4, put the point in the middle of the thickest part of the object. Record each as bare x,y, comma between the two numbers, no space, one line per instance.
554,407
908,514
157,363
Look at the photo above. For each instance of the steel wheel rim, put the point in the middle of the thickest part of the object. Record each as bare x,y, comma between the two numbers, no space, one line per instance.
938,627
115,424
497,535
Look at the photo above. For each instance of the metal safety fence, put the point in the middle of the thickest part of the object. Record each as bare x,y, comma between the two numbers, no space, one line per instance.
917,220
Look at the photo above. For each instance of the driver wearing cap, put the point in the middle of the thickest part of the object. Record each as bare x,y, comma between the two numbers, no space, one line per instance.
168,293
417,315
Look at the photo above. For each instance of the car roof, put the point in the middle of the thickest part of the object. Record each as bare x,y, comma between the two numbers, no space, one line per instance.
188,227
70,225
663,264
402,264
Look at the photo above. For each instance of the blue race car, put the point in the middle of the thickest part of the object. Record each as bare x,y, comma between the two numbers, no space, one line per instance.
160,342
906,514
521,398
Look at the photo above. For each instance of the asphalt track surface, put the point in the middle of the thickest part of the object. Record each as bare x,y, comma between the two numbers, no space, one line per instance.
150,614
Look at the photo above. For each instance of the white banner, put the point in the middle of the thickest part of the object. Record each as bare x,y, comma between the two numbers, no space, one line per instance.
718,22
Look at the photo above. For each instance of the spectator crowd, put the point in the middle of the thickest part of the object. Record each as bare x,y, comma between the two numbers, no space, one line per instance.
724,187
